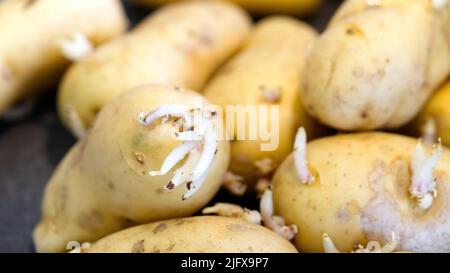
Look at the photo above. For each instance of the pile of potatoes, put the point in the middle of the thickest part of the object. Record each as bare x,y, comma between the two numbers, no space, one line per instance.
360,163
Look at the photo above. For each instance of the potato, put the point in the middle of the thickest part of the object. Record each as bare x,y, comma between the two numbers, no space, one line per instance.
33,32
436,114
181,44
293,7
366,187
103,184
377,64
194,234
266,72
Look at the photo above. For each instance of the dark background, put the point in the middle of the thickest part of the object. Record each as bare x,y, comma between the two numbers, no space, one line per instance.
32,147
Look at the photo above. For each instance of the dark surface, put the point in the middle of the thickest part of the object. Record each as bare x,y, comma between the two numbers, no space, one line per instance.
31,148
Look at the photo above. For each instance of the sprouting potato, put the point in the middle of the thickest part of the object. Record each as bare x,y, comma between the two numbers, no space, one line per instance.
212,234
377,63
128,170
266,72
366,187
40,38
179,45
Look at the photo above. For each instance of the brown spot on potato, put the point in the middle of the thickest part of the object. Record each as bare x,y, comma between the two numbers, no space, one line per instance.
90,220
354,30
138,247
128,223
238,228
111,186
140,158
170,248
161,227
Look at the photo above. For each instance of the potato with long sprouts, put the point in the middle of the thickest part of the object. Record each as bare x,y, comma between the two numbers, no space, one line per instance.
180,44
368,186
131,169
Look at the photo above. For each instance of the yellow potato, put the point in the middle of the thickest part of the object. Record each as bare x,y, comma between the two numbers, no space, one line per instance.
294,7
364,191
212,234
103,184
266,72
32,33
436,111
375,66
180,44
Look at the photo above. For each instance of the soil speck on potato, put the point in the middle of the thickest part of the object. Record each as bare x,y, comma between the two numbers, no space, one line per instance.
140,158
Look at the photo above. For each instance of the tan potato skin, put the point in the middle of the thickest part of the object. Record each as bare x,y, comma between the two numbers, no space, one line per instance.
103,186
293,7
438,109
271,60
30,59
362,179
209,234
374,67
180,44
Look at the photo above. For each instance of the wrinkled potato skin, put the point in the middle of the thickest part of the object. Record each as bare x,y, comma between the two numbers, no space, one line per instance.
207,234
266,64
348,167
180,44
30,59
293,7
102,186
356,80
437,108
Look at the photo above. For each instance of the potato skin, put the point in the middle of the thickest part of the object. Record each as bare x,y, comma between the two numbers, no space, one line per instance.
362,195
103,185
292,7
374,67
210,234
437,108
266,65
180,44
30,60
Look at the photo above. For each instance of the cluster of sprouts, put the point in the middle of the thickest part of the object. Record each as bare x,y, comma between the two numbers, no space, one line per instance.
423,184
372,247
199,140
235,211
75,46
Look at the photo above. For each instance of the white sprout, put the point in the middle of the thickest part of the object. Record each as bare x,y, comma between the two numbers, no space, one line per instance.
75,46
235,211
423,185
372,247
301,164
174,157
200,143
275,223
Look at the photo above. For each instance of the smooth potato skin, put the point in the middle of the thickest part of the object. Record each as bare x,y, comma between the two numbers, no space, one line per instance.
438,109
349,166
102,186
271,60
30,59
180,44
293,7
375,67
208,234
